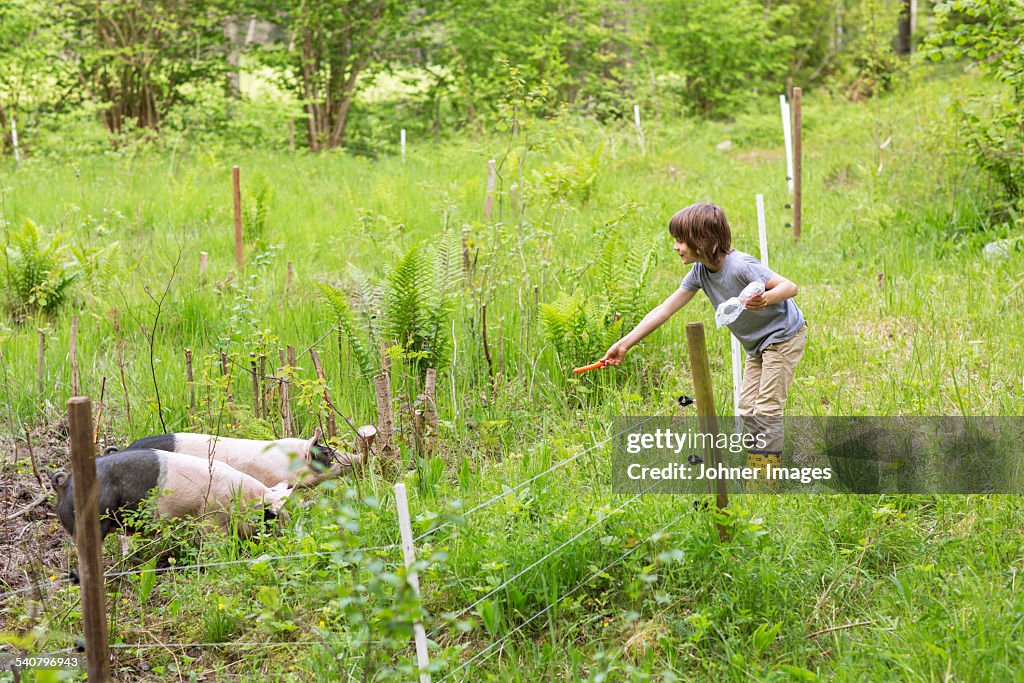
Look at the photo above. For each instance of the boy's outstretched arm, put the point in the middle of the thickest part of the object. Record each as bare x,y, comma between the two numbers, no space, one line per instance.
652,321
776,290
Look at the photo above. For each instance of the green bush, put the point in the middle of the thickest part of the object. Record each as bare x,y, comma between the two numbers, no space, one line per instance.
989,33
721,51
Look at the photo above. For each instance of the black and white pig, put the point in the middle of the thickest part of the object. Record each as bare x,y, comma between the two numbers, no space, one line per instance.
186,486
300,462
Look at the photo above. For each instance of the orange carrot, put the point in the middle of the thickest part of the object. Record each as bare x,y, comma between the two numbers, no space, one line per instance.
593,366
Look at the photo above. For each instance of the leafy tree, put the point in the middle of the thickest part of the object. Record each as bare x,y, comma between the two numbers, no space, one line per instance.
141,57
580,51
333,44
31,77
720,51
990,33
870,65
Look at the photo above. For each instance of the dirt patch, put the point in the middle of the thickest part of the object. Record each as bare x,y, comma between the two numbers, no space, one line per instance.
35,544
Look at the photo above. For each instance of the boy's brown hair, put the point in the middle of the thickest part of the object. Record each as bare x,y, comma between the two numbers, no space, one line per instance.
705,229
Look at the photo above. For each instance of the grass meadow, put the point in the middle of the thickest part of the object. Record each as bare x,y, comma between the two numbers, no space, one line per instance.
907,316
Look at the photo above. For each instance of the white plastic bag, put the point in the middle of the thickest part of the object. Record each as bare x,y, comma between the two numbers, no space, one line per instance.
728,311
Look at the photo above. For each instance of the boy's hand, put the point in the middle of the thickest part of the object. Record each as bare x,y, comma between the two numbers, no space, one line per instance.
615,354
757,303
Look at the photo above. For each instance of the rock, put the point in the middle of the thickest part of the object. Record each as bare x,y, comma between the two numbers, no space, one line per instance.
724,145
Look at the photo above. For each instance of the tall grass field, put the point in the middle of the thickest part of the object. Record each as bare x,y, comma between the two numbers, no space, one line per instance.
525,574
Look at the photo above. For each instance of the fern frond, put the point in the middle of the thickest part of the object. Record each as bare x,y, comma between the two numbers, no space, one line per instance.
339,304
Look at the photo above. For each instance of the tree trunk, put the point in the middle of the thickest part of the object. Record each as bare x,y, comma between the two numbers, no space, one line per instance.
903,30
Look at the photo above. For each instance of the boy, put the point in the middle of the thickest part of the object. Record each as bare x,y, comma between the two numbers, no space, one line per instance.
772,329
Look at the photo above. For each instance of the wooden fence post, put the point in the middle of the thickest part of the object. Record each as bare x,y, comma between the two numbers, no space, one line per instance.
41,364
87,539
385,422
797,162
291,416
700,370
76,388
190,379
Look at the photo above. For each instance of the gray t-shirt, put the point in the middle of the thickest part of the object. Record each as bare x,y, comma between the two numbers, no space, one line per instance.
754,329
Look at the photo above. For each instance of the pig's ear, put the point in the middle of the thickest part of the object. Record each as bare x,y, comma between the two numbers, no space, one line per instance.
308,450
59,480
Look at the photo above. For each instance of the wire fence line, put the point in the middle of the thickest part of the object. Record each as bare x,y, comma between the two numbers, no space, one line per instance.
491,648
267,558
183,646
548,555
207,565
276,643
557,465
250,560
487,652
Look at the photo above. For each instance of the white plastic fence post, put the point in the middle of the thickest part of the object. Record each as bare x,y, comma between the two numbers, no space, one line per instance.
737,374
403,144
405,527
14,140
787,137
762,229
639,130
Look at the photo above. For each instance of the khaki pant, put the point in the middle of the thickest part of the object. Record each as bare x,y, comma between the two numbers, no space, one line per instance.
766,382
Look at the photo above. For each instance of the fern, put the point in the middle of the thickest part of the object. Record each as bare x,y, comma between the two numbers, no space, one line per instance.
338,302
580,329
447,273
413,308
39,274
406,295
99,267
367,297
257,208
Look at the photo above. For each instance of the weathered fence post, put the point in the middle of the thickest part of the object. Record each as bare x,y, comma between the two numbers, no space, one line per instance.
700,370
190,379
76,388
255,385
41,364
87,539
797,162
385,424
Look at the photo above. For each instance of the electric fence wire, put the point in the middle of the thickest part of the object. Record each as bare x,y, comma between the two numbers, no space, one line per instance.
490,648
549,555
557,465
207,565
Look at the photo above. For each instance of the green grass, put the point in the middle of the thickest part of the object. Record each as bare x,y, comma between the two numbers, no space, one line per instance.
917,588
